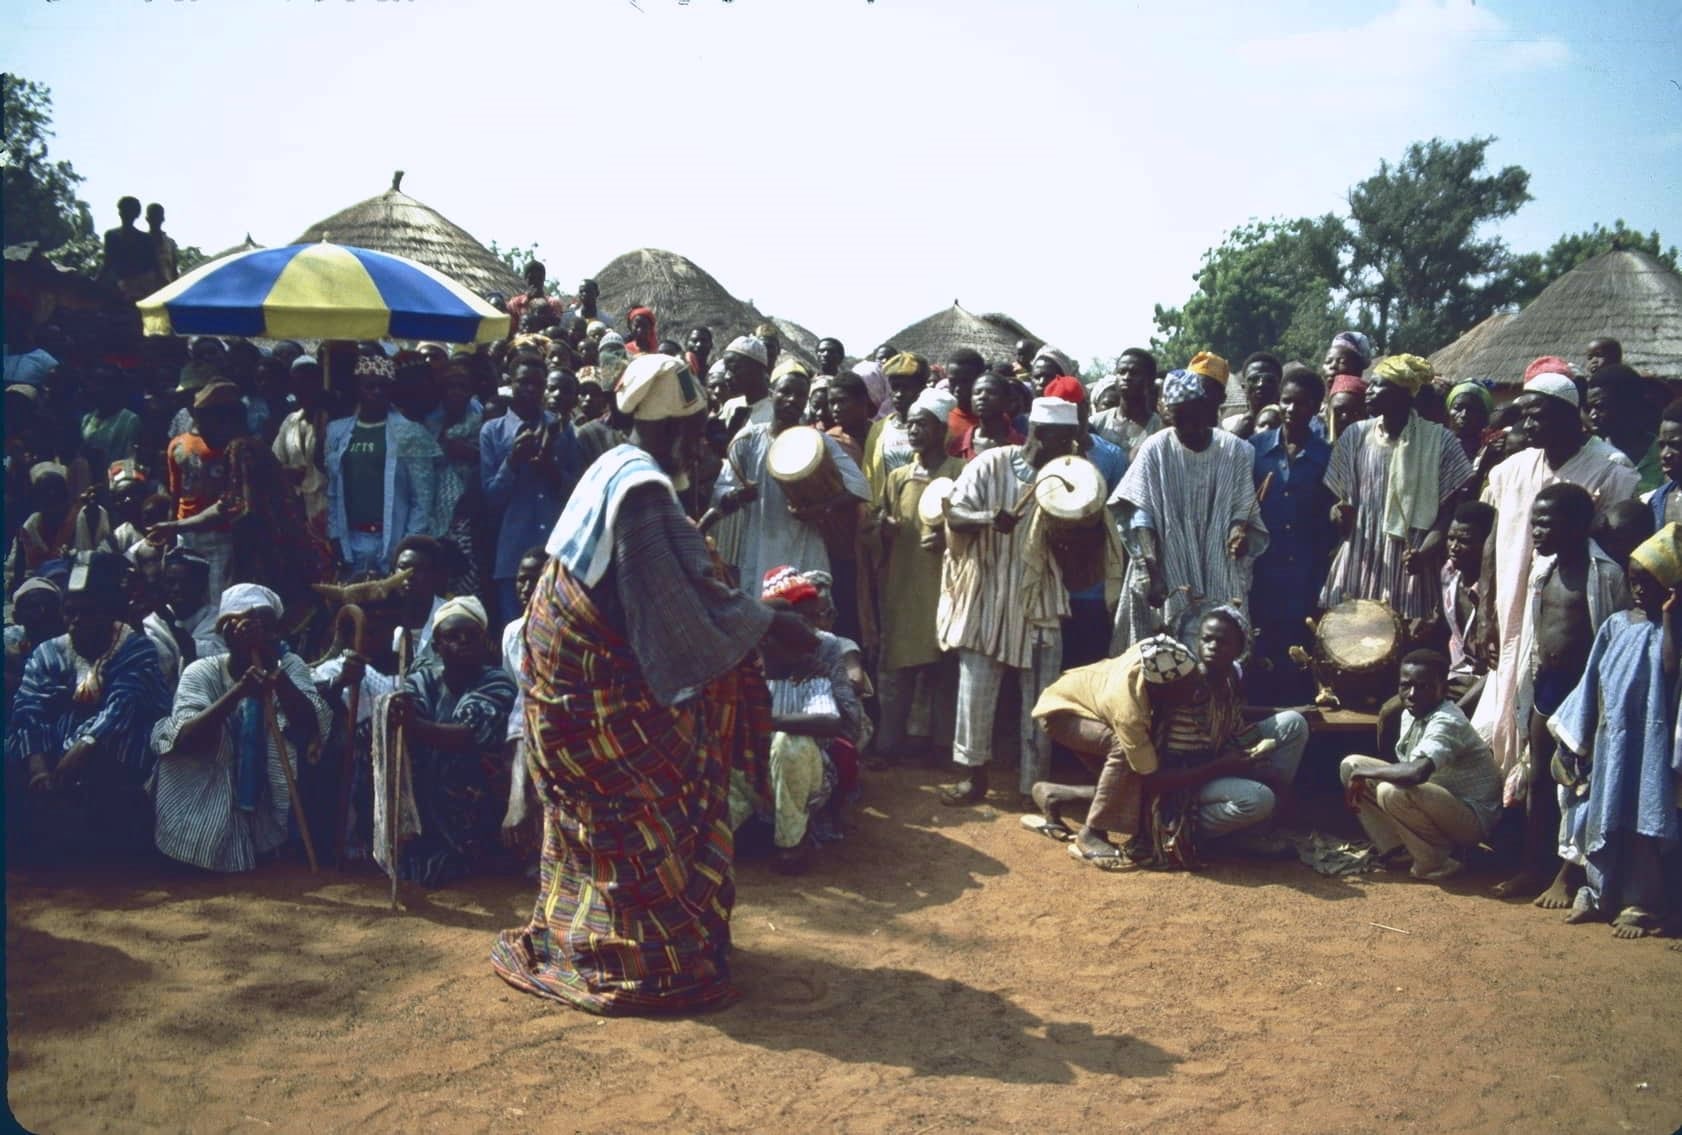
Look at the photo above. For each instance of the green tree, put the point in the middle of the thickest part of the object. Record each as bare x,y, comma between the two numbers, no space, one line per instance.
1419,274
517,258
39,194
1534,271
1268,286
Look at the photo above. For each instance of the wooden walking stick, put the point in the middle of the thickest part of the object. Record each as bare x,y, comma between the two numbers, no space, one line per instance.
394,771
291,781
347,773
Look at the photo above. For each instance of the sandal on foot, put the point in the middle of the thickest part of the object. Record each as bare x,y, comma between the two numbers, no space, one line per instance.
1049,828
1633,922
962,794
1113,860
1448,869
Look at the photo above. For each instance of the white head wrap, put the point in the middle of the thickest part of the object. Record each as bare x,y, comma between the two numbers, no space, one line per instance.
937,404
1053,412
461,605
749,348
1554,386
1103,387
656,387
243,597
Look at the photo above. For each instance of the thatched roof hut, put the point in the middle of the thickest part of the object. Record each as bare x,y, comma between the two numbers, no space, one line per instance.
936,337
1451,358
1624,295
396,223
683,295
246,245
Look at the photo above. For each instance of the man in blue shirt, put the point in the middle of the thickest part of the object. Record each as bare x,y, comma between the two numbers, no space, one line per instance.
528,464
1086,632
1290,474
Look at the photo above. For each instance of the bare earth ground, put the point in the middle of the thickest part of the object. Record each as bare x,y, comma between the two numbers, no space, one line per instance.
939,971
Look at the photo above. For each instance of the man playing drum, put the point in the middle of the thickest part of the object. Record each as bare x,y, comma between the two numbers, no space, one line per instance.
911,583
774,530
1002,599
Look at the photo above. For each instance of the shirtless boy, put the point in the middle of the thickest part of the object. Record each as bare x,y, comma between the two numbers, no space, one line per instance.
1570,597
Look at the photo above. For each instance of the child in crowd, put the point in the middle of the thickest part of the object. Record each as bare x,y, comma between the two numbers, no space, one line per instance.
1468,532
1574,588
1619,765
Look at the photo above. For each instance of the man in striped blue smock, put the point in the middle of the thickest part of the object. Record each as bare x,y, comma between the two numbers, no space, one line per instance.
221,797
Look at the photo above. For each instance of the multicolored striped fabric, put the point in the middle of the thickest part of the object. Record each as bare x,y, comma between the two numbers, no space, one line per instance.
321,291
634,900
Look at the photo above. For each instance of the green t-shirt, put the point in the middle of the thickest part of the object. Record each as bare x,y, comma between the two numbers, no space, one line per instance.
364,474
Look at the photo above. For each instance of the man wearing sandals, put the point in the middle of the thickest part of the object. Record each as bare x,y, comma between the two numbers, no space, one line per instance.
1162,725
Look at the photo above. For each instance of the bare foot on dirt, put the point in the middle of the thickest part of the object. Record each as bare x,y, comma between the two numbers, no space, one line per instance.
1556,897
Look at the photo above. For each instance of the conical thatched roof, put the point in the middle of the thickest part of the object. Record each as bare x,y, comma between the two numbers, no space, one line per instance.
683,295
1623,295
936,337
1451,359
246,245
796,336
396,223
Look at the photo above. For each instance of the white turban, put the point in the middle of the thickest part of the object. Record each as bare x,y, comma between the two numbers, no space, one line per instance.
749,348
243,597
1053,412
656,387
461,605
937,404
1554,386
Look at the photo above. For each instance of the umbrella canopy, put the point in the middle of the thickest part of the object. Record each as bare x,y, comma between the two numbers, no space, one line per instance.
321,291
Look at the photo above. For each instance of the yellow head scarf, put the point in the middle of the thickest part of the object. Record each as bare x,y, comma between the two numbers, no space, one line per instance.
1661,555
1407,371
1209,365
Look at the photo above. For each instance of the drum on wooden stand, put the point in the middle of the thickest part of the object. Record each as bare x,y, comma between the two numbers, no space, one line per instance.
1070,492
799,460
1357,654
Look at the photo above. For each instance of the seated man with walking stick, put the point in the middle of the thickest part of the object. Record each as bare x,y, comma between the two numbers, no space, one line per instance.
223,794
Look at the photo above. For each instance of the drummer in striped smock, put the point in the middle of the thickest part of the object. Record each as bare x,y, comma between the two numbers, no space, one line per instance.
1002,599
1189,505
775,531
1395,476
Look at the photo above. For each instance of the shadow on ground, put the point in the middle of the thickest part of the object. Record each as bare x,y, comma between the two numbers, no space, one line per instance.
909,1019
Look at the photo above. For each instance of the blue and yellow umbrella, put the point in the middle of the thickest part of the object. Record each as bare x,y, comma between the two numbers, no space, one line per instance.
320,291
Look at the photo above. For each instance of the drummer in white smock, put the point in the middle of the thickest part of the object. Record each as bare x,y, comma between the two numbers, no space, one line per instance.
791,498
1002,597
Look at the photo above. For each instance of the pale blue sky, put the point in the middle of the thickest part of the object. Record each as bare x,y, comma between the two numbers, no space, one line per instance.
856,166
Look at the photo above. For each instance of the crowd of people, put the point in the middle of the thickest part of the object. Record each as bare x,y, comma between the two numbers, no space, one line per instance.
625,602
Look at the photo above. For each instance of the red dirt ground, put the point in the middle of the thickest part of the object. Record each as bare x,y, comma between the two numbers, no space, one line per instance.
939,971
